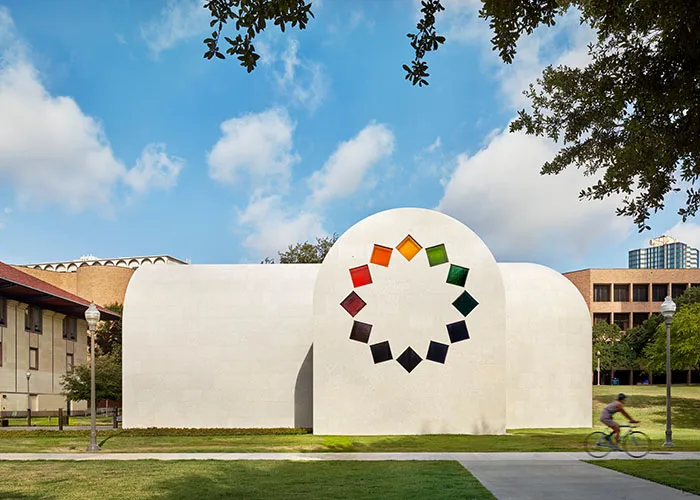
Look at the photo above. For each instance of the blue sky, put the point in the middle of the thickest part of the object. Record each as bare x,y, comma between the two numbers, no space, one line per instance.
117,138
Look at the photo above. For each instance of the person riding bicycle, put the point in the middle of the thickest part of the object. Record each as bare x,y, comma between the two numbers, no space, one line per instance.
606,416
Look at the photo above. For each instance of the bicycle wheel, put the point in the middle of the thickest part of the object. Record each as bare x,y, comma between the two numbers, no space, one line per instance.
596,445
636,444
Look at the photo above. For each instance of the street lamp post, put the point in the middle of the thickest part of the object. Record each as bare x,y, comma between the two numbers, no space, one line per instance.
598,354
92,316
29,405
668,309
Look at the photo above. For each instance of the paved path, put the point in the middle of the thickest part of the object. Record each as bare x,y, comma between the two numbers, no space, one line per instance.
570,480
521,476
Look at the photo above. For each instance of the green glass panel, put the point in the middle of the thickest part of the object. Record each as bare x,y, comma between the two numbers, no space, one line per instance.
465,303
457,275
436,255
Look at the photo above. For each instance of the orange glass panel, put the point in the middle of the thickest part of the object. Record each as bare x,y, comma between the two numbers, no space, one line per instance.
409,247
381,255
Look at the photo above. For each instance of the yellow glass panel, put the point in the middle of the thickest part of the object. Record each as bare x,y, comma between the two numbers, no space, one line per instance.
409,247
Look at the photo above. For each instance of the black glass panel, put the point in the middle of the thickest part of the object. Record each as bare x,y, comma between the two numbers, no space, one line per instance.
381,352
437,352
409,359
360,331
457,331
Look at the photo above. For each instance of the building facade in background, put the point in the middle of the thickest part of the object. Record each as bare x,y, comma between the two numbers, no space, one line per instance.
664,252
43,335
627,297
90,260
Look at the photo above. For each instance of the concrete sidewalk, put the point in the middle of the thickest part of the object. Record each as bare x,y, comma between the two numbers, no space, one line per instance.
520,476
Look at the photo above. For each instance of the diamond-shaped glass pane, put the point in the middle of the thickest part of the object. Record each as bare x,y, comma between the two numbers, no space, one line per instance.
360,276
360,331
458,331
381,352
353,304
437,352
465,303
436,255
381,255
409,247
457,275
409,359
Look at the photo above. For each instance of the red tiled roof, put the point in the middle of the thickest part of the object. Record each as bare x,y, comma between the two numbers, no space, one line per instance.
26,288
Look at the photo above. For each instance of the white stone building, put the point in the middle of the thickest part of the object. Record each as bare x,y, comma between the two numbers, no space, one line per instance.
408,327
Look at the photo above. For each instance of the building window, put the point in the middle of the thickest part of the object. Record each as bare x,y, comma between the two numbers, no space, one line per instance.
622,320
3,311
601,293
601,317
658,292
33,358
677,289
70,328
32,319
69,363
622,293
639,318
640,293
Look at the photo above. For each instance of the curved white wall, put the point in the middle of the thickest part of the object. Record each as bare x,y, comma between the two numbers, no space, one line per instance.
218,346
409,304
548,332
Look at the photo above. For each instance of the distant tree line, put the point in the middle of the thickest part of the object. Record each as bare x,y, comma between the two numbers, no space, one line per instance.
644,347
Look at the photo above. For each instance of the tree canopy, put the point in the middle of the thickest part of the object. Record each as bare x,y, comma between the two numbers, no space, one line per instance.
108,379
685,341
615,352
630,116
305,252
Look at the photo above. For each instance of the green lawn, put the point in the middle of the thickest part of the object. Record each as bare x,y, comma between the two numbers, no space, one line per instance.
646,403
53,421
212,480
681,474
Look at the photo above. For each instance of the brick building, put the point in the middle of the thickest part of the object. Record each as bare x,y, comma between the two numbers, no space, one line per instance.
627,297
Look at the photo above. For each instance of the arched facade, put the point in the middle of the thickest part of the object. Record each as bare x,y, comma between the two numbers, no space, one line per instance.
408,327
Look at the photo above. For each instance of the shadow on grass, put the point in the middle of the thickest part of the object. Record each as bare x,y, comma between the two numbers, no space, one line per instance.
24,496
685,412
329,479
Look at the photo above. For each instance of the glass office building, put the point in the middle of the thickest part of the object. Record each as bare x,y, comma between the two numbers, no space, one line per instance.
664,253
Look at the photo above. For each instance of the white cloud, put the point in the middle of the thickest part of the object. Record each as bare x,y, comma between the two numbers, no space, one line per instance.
8,210
50,151
304,81
274,227
260,144
179,20
687,232
500,194
434,146
344,171
154,169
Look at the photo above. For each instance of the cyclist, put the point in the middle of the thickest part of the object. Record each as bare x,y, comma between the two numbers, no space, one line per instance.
606,417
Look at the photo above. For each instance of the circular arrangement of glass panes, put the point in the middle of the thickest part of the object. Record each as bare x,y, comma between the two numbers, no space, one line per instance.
409,359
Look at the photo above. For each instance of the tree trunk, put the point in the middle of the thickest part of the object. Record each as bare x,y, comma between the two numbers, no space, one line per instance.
631,377
612,375
690,376
651,378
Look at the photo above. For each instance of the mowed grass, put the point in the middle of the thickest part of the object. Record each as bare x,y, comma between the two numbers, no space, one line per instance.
53,421
681,474
646,403
212,480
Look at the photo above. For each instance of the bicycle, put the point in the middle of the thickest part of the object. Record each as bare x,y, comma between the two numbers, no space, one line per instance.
635,443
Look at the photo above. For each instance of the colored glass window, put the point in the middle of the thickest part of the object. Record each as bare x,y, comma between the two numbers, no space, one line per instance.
381,352
457,275
465,303
458,331
360,331
409,359
360,276
381,255
409,247
353,304
436,255
437,352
